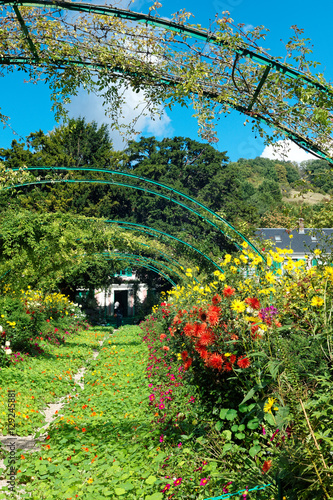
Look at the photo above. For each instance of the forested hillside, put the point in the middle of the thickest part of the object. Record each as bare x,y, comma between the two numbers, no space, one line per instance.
248,193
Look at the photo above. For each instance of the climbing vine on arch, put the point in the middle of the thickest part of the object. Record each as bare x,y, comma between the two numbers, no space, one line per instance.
171,62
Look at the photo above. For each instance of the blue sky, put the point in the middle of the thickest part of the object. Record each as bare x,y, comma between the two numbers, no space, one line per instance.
29,105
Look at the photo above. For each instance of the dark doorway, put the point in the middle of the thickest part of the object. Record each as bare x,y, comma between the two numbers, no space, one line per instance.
122,297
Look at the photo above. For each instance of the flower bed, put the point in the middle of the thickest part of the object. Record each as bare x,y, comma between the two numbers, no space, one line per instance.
256,347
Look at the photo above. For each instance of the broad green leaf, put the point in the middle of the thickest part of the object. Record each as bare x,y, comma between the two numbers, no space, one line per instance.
254,450
151,480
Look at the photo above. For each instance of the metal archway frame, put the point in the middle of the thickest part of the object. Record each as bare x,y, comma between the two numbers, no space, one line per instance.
143,179
141,258
152,268
255,56
147,229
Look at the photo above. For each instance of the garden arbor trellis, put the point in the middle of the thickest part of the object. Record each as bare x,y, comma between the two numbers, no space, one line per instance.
170,61
152,231
229,231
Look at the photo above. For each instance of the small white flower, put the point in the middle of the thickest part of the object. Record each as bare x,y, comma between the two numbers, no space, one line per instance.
8,351
1,329
7,343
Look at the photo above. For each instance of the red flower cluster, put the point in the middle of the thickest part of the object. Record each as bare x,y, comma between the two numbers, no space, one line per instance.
253,302
228,291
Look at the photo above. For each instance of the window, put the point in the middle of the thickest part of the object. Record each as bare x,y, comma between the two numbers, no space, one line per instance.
278,238
313,238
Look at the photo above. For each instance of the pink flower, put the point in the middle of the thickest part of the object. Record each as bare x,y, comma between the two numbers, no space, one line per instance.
275,433
161,439
179,445
203,481
178,481
151,397
166,488
161,406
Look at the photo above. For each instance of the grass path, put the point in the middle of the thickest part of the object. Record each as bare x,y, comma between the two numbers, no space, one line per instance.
94,447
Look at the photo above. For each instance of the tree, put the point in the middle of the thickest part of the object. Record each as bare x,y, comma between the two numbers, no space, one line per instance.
48,250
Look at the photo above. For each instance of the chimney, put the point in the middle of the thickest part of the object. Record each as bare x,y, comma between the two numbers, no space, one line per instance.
301,226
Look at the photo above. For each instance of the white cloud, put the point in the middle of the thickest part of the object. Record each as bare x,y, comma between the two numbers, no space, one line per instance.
288,151
90,106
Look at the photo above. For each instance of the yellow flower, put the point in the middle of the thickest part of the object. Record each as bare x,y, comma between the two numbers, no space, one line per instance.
291,236
243,259
317,251
227,258
244,244
90,480
317,301
238,305
269,404
270,277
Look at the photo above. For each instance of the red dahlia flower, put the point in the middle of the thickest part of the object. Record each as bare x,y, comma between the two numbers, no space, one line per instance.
189,329
184,355
206,338
213,315
215,361
188,364
243,362
216,299
228,291
253,302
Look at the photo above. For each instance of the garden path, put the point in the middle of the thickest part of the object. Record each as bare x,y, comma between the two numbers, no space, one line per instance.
30,443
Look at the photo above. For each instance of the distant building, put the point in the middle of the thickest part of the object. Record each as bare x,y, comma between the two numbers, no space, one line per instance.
124,293
303,241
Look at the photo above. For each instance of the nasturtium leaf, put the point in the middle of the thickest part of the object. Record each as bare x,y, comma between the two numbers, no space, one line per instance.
227,447
227,434
254,450
223,412
154,496
231,415
253,424
218,426
151,480
234,428
119,491
240,435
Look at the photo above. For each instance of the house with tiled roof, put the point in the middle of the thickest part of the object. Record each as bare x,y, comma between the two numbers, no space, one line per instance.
303,241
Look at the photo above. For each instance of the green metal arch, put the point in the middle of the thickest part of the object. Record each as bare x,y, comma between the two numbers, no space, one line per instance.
148,229
143,179
206,36
163,254
152,268
140,258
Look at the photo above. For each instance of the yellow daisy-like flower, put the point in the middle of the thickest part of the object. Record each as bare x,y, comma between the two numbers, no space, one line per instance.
270,277
90,480
227,258
317,251
317,301
268,406
238,306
